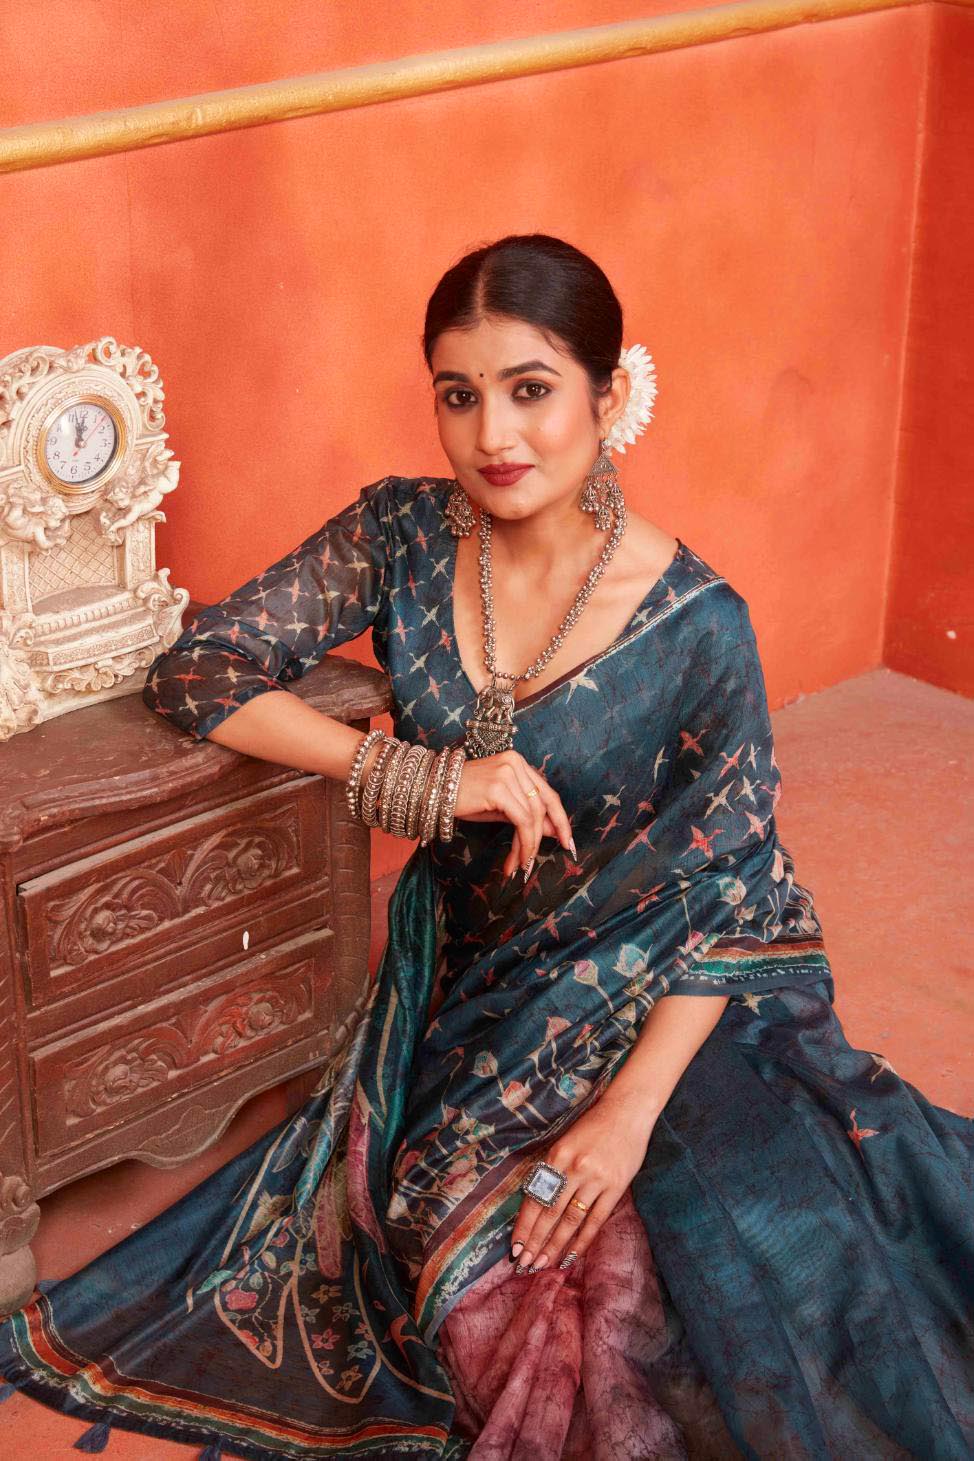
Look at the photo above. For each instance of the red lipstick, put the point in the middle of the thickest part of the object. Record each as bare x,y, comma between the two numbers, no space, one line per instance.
506,474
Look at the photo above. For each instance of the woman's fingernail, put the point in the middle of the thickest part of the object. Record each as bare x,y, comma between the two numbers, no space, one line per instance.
515,1250
521,1268
568,1260
527,869
540,1264
571,843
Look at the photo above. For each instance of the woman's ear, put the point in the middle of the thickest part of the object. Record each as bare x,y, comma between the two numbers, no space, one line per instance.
613,403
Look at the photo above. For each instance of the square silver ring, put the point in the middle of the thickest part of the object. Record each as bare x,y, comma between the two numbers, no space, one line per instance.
545,1184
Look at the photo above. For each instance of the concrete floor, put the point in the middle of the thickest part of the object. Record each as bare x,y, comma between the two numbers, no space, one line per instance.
877,810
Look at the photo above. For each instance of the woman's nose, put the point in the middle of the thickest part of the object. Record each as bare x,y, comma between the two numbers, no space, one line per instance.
495,429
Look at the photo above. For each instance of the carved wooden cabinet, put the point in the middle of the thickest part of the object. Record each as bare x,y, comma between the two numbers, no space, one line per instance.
183,926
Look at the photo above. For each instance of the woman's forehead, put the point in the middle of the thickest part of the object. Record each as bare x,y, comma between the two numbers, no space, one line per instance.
493,344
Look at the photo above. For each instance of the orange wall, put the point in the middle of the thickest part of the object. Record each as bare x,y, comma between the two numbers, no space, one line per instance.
930,609
751,200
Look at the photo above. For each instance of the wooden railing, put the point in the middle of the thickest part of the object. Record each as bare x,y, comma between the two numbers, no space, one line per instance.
43,144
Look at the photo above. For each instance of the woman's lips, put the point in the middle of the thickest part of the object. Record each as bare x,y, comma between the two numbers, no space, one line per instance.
504,476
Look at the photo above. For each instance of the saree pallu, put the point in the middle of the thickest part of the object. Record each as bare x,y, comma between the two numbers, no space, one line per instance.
792,1271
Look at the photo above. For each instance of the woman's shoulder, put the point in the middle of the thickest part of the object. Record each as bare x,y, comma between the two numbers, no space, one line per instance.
656,552
702,573
718,619
646,549
406,489
404,502
707,613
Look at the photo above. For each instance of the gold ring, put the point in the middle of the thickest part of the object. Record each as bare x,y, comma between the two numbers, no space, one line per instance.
532,793
582,1207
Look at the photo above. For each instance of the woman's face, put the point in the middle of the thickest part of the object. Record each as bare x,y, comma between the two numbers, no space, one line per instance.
505,396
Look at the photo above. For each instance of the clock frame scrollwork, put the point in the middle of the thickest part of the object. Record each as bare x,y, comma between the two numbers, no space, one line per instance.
83,607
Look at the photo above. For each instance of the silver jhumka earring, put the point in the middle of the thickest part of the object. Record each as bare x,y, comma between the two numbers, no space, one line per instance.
602,493
459,513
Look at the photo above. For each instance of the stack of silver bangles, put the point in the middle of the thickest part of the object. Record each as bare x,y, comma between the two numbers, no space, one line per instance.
411,791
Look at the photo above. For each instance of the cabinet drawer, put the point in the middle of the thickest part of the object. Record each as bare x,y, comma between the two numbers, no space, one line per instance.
169,900
127,1065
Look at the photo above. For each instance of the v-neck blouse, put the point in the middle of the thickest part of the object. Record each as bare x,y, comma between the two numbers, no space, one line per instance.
418,647
637,618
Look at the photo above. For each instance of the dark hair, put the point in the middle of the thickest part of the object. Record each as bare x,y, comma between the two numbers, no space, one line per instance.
542,280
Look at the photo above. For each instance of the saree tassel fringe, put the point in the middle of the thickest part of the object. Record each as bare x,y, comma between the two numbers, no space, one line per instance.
95,1438
213,1452
9,1385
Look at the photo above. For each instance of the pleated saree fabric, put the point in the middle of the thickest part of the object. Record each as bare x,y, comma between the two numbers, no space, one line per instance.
791,1274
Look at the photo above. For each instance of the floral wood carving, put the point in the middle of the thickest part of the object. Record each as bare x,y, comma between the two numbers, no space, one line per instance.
225,1025
19,1214
168,887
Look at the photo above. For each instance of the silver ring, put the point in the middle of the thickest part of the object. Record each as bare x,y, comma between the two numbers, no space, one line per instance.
545,1184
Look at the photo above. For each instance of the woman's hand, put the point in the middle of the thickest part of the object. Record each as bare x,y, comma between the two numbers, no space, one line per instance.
505,787
601,1152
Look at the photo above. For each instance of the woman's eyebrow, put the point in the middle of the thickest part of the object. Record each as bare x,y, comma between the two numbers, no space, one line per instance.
504,374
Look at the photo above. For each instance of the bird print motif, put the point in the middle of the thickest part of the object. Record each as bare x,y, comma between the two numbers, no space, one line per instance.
303,1300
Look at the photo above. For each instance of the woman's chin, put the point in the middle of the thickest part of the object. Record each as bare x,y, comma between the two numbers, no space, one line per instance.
513,510
514,501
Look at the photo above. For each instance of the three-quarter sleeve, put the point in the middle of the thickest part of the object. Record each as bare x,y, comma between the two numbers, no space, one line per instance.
280,623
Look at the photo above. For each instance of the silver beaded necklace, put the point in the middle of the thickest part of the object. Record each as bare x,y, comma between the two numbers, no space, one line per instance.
491,727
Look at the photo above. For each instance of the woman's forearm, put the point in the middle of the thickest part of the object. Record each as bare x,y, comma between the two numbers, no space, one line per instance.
279,726
671,1035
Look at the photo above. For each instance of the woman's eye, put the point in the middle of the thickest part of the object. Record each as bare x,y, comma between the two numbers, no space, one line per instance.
536,387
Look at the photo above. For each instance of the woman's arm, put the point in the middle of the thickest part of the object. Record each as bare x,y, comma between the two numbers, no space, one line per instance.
277,626
604,1149
287,730
672,1033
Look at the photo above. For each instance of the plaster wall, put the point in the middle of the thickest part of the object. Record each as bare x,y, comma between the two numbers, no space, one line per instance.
930,605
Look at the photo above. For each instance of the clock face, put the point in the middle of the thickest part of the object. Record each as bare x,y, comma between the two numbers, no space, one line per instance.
80,443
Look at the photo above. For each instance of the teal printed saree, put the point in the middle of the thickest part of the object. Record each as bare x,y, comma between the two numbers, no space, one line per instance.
792,1273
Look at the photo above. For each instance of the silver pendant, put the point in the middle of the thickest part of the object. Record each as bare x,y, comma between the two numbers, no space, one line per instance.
490,729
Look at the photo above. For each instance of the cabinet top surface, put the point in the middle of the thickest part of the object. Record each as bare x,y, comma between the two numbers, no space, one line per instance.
118,752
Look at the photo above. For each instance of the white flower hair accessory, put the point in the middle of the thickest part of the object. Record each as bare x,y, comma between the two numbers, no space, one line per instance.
638,362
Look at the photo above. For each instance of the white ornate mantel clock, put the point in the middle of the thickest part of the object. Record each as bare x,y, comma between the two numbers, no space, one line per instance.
83,467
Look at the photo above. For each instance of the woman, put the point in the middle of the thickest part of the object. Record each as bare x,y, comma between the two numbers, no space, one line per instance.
602,983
